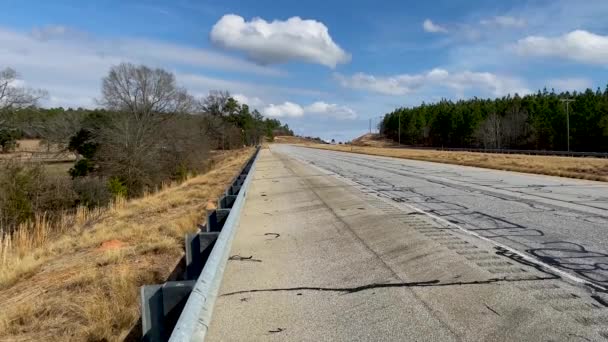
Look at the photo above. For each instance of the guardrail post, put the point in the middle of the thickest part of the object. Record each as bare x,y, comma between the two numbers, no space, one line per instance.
151,304
226,201
198,248
233,190
161,307
216,219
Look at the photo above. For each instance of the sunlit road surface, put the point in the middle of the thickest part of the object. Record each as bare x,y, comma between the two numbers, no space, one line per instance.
349,247
561,221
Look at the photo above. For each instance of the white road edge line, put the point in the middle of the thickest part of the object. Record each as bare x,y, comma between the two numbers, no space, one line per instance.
450,224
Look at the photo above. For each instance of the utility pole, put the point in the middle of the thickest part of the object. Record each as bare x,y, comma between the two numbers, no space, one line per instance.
568,118
370,125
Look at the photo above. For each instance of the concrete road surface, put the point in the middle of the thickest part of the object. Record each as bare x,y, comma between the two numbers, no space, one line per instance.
343,247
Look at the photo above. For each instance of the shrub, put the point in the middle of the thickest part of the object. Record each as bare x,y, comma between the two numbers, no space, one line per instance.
181,173
18,183
28,190
8,140
117,188
92,191
83,143
81,168
54,195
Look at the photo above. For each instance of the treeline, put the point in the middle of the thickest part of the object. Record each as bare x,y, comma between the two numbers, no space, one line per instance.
537,121
149,131
238,125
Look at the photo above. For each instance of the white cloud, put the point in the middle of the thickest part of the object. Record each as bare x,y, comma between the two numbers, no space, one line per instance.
57,32
161,52
504,21
200,85
331,110
48,32
484,82
382,85
569,84
70,65
286,109
579,45
250,101
430,26
279,41
319,108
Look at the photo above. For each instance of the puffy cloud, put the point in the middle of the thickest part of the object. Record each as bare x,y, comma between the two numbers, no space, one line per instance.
504,21
460,82
279,41
332,110
319,108
250,101
430,26
286,109
581,46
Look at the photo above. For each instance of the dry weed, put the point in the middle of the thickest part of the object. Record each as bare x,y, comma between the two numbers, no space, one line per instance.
65,287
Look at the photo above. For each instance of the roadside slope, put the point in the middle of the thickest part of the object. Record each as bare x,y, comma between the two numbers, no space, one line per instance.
85,285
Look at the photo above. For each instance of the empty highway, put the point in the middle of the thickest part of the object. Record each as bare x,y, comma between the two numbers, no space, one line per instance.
560,221
348,247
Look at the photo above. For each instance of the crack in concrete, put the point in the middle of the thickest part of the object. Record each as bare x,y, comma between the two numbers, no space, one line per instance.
350,290
241,258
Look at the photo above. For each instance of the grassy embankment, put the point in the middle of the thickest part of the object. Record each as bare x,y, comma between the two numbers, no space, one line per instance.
80,280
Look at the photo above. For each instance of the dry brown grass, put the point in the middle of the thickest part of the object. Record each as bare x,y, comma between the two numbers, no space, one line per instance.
581,168
31,145
71,286
373,140
288,139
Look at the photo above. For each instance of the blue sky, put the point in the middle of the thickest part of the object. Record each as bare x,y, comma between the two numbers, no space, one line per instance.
324,67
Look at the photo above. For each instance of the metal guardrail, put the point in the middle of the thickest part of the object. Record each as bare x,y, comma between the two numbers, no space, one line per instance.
181,310
506,151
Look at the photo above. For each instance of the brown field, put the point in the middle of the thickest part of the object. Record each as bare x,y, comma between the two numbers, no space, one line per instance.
35,150
32,145
58,169
80,280
288,139
582,168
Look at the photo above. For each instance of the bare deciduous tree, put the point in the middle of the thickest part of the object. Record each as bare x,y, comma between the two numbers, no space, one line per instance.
185,145
515,127
143,102
490,132
215,103
215,106
58,129
13,96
